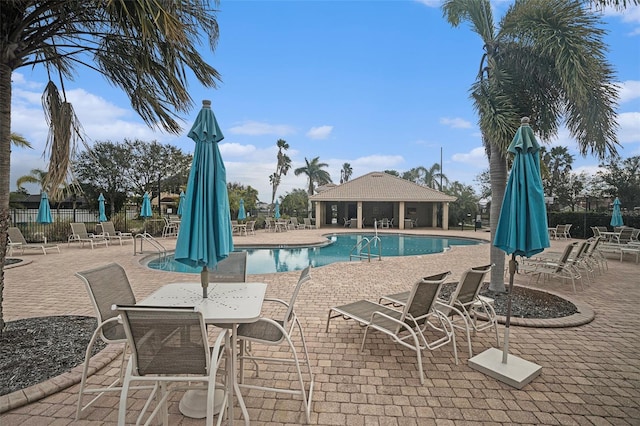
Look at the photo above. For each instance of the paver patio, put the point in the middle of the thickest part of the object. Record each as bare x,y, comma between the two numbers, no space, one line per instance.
590,375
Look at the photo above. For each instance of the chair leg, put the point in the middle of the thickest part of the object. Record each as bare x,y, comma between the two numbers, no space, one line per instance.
122,408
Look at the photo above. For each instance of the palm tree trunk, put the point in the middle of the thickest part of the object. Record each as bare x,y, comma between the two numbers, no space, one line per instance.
498,177
5,168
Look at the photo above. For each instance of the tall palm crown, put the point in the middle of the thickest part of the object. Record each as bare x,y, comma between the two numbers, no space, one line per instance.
282,167
145,47
314,173
545,61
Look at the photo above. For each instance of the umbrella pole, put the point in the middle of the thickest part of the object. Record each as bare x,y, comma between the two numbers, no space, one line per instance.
513,266
204,280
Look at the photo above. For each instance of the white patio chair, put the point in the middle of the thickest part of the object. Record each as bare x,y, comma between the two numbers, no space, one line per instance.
170,349
106,285
274,332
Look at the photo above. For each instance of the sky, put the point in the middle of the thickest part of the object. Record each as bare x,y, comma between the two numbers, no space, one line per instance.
381,85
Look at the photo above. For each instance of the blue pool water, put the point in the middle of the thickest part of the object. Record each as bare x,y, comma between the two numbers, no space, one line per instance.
270,260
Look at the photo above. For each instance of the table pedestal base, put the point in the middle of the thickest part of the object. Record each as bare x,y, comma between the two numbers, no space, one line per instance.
194,403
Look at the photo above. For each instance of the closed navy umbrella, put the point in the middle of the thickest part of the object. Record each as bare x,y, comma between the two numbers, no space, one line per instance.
205,236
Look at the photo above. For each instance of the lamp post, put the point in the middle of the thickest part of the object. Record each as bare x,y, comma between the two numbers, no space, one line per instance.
586,207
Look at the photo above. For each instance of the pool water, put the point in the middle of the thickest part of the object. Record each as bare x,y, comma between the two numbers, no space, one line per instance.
284,259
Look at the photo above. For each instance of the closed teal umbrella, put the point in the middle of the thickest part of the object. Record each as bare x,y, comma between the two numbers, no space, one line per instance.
242,214
205,236
277,210
522,226
103,216
44,210
145,211
181,203
616,216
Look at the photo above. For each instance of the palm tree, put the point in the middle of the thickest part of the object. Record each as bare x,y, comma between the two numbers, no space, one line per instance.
558,162
546,61
18,140
315,174
282,167
345,173
145,47
36,176
434,178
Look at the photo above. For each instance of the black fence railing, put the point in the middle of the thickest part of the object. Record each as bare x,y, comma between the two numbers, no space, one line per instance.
59,230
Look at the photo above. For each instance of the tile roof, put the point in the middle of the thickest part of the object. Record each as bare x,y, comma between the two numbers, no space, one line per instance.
380,186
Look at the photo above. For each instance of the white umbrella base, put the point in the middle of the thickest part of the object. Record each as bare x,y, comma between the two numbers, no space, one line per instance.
194,403
517,372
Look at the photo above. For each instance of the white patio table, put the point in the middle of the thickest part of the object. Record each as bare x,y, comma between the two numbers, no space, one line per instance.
227,303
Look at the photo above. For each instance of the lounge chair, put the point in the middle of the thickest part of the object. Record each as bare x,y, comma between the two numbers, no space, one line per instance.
464,304
307,223
110,233
405,326
80,235
17,241
562,267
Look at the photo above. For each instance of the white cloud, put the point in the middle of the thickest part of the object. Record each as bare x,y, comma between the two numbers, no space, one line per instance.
456,123
629,131
256,128
235,149
321,132
476,157
590,170
429,3
629,90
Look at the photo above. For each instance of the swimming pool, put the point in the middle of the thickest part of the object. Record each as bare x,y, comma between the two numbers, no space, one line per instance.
261,260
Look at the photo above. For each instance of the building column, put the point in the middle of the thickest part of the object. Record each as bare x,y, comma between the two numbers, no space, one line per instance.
319,213
401,214
445,216
434,215
359,215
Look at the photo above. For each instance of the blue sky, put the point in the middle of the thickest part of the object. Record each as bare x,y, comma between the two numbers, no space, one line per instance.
378,84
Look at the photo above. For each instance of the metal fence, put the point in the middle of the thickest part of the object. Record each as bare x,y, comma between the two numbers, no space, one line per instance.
59,230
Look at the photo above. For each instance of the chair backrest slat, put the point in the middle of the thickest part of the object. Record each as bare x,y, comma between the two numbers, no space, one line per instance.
80,230
470,284
166,341
304,277
422,298
15,235
107,286
232,269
